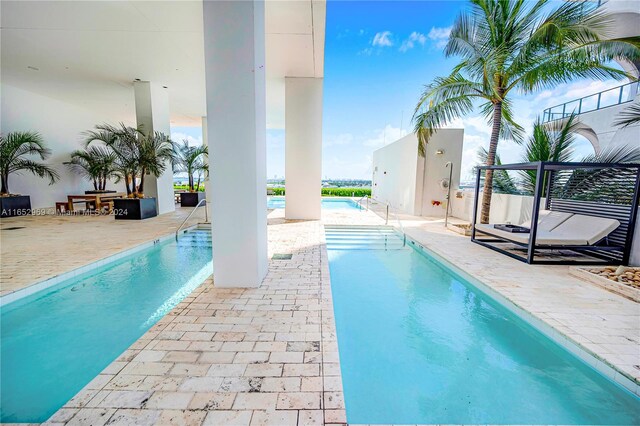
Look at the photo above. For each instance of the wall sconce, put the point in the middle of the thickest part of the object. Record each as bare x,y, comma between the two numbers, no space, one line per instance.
439,151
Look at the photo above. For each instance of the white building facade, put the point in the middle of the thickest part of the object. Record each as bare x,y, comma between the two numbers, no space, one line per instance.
414,184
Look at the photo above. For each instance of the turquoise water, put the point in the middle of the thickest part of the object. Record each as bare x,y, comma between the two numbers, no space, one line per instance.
56,341
327,203
418,344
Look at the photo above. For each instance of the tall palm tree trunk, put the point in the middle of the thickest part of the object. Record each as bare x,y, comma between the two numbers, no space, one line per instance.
5,184
127,182
491,158
141,186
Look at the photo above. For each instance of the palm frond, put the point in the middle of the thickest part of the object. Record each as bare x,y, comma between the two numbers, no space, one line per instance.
629,116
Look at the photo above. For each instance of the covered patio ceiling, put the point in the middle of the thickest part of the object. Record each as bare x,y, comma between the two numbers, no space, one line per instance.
88,53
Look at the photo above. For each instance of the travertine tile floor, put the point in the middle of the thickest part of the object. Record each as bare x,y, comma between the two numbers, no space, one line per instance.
233,356
47,246
269,355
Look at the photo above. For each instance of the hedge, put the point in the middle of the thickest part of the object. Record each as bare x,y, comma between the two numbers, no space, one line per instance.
186,188
334,192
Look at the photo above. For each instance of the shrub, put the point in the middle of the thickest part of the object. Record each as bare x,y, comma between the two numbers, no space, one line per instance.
186,188
334,192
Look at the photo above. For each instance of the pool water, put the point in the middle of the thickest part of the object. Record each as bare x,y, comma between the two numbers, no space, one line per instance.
54,342
327,203
419,344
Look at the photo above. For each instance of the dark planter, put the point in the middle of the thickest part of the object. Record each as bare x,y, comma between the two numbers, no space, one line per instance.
134,208
191,199
106,191
15,205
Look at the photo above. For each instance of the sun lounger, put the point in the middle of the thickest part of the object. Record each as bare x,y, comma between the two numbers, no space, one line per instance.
560,229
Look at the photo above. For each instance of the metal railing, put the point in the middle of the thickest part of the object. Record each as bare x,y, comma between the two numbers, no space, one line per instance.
606,98
206,216
387,212
359,201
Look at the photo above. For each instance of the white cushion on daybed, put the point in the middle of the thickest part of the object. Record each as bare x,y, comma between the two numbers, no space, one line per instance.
548,220
590,228
577,230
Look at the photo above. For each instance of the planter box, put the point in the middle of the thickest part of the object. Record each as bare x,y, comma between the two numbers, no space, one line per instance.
191,199
106,191
607,284
134,208
18,205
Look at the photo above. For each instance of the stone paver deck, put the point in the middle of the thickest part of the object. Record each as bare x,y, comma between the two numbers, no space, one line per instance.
47,246
233,356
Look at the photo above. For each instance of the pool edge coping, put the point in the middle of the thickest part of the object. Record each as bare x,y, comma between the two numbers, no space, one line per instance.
41,285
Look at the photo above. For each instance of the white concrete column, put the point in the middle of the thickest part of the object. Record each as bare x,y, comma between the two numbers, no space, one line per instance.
152,115
303,147
207,181
234,40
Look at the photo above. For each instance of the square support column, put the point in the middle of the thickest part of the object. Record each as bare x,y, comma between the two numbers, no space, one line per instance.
152,115
234,40
303,147
206,183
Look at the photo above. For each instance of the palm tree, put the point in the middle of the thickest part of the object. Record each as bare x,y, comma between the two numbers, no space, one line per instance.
156,153
502,181
629,116
96,163
549,142
137,154
595,185
14,147
123,141
516,45
191,160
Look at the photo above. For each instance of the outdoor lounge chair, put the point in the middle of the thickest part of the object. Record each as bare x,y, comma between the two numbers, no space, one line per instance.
560,229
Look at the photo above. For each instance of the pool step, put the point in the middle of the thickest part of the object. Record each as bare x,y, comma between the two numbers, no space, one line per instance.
363,238
198,237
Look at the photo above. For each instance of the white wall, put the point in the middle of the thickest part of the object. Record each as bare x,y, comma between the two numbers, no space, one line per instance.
449,142
395,168
505,208
409,182
61,126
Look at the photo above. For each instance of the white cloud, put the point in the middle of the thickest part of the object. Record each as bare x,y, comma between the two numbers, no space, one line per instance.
179,137
382,39
352,168
341,139
440,35
385,136
574,91
412,40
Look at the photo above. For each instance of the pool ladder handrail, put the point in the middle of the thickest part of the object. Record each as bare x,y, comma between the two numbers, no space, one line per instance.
206,216
359,201
386,219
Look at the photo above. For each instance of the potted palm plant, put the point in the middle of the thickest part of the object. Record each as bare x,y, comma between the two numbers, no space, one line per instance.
97,164
137,155
14,148
191,160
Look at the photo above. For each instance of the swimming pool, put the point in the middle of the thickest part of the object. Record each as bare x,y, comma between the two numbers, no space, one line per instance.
55,341
419,344
327,203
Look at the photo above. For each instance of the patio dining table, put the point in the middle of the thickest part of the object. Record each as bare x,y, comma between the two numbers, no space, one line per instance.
98,199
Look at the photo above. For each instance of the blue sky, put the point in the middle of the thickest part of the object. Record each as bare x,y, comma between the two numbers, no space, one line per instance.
378,57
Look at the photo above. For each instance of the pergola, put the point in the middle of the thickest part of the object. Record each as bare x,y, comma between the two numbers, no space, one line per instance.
602,190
